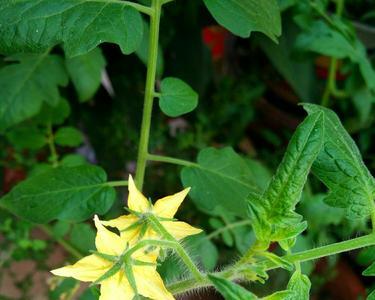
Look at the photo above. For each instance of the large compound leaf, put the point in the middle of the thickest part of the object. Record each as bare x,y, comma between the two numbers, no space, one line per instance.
272,214
81,25
25,85
242,17
341,168
72,194
221,178
86,73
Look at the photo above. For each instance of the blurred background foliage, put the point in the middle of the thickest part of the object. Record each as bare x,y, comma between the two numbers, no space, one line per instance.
249,91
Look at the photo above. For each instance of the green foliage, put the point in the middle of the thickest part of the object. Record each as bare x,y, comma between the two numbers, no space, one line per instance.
300,284
24,86
86,71
63,193
29,26
177,97
230,290
340,166
68,136
272,213
27,137
243,17
221,174
370,271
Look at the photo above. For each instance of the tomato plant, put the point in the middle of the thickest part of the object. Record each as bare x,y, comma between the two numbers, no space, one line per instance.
57,66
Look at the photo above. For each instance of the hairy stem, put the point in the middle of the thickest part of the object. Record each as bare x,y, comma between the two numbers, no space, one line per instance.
230,273
149,92
158,227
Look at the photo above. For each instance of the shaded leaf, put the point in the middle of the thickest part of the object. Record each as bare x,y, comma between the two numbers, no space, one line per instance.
86,72
68,136
370,271
26,137
81,25
61,193
24,86
242,17
177,97
221,178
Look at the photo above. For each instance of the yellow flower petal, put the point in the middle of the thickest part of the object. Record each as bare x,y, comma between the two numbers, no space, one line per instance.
89,268
136,200
150,284
167,207
116,287
123,222
180,229
106,241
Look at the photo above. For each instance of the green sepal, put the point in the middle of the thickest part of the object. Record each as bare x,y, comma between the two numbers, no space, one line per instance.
108,257
112,271
130,275
278,260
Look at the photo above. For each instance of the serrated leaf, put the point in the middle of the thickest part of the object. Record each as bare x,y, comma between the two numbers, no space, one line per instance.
229,290
86,73
177,97
341,168
81,25
73,194
68,136
300,284
220,178
242,17
370,271
25,85
272,214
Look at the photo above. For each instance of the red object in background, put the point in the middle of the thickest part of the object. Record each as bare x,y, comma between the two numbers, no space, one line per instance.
214,37
12,177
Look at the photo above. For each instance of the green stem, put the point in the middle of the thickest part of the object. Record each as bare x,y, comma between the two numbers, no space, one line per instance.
364,241
117,183
158,227
171,160
149,91
65,244
227,227
52,147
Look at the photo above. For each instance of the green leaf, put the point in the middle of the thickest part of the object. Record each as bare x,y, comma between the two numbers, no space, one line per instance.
73,194
54,115
27,137
241,17
221,178
282,295
73,160
341,168
81,25
24,86
323,39
230,290
370,271
272,214
300,284
371,296
86,71
82,237
68,136
177,97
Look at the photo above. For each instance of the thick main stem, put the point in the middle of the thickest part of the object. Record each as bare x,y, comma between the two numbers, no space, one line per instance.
149,92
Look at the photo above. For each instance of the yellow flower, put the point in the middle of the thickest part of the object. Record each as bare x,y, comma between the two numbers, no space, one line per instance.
115,284
134,227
